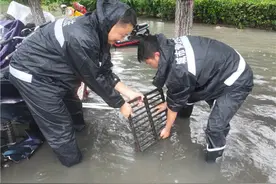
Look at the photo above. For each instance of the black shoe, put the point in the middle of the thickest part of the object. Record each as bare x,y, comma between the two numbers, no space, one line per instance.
213,153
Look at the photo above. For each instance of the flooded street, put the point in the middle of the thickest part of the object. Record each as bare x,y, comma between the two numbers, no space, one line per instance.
108,145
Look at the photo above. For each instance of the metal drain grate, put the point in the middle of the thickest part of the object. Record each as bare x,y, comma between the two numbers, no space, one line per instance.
146,124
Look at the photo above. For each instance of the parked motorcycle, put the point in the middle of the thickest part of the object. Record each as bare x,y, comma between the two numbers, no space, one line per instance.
73,11
13,108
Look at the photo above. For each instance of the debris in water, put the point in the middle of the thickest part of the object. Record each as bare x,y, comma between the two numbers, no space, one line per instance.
40,176
175,181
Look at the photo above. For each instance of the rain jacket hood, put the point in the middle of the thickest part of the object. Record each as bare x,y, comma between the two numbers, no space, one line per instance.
108,13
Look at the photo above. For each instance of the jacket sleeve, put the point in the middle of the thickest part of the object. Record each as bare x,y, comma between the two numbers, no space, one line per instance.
179,92
86,63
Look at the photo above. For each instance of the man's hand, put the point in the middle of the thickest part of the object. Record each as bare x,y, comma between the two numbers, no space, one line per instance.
132,95
126,110
161,107
165,133
171,116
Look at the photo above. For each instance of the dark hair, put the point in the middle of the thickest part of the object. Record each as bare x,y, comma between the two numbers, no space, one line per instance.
129,17
147,47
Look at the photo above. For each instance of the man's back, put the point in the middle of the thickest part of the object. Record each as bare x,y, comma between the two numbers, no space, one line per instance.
211,64
42,55
38,52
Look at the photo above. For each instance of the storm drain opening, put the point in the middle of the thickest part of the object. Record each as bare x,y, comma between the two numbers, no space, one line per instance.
146,123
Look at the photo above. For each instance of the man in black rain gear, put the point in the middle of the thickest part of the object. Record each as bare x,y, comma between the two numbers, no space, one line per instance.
196,68
50,64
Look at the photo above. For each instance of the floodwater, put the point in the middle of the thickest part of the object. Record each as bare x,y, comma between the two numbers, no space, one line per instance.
107,142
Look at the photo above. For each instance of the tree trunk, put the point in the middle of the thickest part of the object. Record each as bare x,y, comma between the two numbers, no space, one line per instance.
37,12
183,17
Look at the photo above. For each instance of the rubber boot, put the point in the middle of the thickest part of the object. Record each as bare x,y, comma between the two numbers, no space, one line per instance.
213,153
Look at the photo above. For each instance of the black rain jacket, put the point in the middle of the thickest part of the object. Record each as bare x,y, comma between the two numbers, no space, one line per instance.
195,68
71,50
